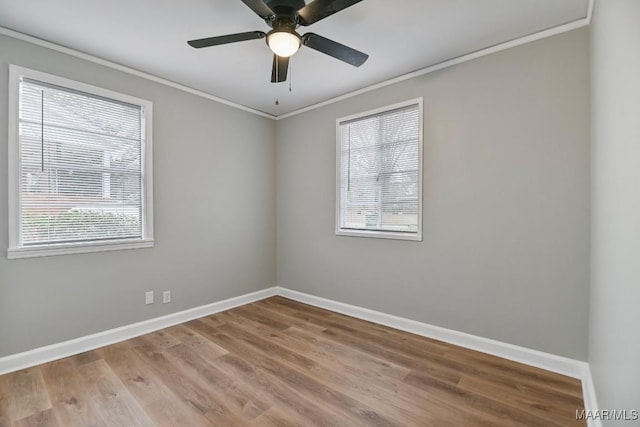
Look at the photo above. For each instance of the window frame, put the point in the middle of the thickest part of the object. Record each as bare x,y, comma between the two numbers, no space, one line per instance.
381,234
16,249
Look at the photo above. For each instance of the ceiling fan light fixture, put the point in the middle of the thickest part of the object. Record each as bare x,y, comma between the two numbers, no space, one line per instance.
284,17
283,43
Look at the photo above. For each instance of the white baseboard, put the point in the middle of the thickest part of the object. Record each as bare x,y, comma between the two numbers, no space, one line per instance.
56,351
562,365
589,396
550,362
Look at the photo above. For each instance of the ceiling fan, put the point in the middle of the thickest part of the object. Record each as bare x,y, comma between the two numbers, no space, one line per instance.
284,17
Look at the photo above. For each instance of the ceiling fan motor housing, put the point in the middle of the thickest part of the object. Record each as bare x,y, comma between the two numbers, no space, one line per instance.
283,25
285,9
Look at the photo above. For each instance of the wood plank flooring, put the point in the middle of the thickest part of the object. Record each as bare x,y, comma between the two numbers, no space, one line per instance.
277,362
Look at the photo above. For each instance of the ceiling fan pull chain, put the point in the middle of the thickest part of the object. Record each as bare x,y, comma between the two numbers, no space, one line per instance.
290,76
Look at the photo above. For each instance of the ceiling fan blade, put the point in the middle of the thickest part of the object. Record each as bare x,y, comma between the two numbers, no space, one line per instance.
229,38
335,49
320,9
279,69
260,8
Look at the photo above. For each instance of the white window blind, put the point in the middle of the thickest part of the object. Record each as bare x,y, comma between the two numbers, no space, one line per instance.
80,172
380,172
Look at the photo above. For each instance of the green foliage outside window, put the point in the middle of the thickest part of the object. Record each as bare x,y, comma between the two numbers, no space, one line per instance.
77,225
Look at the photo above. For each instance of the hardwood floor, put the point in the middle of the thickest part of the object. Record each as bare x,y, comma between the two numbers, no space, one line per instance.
277,362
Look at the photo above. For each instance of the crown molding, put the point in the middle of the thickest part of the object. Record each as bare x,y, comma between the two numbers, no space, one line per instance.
583,22
96,60
450,63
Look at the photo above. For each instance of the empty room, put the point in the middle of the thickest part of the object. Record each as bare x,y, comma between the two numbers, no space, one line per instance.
320,212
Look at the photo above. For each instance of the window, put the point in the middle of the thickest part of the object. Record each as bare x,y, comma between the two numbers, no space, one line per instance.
79,167
379,168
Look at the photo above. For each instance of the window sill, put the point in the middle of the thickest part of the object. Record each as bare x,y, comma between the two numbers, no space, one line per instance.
76,248
380,234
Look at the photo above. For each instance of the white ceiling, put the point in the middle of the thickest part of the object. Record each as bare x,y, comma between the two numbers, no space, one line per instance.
400,37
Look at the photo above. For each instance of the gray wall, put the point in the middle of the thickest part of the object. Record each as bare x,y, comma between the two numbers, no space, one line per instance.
214,181
506,202
614,347
506,208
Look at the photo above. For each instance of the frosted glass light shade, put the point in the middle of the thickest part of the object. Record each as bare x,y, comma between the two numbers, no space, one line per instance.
283,44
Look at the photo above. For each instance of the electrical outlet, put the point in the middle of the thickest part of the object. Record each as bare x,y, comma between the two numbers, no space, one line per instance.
166,297
148,297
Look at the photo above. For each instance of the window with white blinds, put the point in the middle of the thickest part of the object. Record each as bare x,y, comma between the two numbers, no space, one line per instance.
380,172
82,174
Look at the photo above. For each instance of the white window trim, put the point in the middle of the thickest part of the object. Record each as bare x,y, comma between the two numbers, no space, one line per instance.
375,233
16,249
